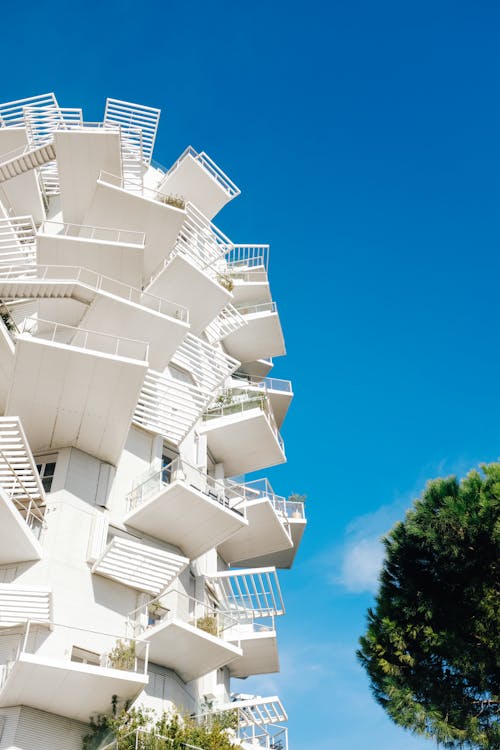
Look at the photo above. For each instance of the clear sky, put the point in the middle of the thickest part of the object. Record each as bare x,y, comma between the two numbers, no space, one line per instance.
364,136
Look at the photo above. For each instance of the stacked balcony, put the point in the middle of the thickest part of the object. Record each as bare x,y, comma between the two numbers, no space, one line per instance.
165,504
242,433
279,392
185,635
69,671
22,497
260,722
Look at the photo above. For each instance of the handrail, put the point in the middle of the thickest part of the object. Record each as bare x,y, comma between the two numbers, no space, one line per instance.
15,153
253,309
120,182
30,327
92,234
267,384
246,402
33,510
165,607
210,166
232,497
261,488
99,282
247,257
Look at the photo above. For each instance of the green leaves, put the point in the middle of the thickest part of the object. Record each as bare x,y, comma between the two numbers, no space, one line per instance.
432,645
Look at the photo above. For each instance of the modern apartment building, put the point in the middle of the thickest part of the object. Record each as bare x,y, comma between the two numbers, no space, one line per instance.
136,342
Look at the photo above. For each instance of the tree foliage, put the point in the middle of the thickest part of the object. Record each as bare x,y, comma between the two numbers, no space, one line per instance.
432,645
138,728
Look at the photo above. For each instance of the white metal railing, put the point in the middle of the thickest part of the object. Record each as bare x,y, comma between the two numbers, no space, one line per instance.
176,604
209,366
21,151
259,721
245,401
263,307
12,113
169,407
231,496
87,232
121,182
261,488
210,167
123,653
81,338
148,739
249,592
31,509
133,116
242,258
228,321
18,243
265,384
101,283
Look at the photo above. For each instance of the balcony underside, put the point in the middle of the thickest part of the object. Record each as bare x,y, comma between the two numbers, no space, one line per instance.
264,535
283,559
259,368
169,515
251,292
117,260
115,207
22,192
203,296
66,396
243,442
188,650
192,181
18,541
260,655
280,403
261,337
67,688
80,157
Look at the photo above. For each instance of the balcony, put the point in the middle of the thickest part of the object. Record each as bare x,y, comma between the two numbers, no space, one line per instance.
53,665
247,268
191,271
20,195
139,566
165,504
279,392
259,722
19,604
101,304
197,178
253,598
242,434
115,253
95,378
22,497
260,337
115,205
274,533
184,635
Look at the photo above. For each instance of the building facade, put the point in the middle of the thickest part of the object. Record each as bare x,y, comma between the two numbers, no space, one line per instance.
136,342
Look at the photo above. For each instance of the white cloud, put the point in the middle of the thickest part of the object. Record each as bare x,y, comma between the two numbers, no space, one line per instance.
361,564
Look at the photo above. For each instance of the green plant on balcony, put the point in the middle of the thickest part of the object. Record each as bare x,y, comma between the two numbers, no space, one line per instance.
172,200
208,623
225,281
123,655
296,498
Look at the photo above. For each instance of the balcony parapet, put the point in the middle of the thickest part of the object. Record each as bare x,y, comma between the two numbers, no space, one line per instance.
243,402
284,507
259,721
249,593
50,228
232,497
18,243
210,167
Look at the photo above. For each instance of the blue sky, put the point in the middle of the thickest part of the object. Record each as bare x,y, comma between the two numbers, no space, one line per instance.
365,139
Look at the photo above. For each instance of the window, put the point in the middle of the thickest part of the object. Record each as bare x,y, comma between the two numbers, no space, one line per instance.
82,656
167,459
46,467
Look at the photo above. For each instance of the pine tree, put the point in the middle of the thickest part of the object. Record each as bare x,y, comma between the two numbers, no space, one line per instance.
432,645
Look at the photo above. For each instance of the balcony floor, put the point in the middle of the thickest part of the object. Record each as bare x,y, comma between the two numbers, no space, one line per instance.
263,536
169,515
67,688
188,650
243,442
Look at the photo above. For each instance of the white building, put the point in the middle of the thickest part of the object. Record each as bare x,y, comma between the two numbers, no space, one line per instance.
135,345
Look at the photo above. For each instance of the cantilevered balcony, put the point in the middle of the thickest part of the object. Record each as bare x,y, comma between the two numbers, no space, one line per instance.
22,497
260,337
139,566
253,598
114,205
62,372
197,178
19,604
115,253
193,270
260,721
242,434
185,635
101,304
279,392
274,532
165,504
71,672
247,267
